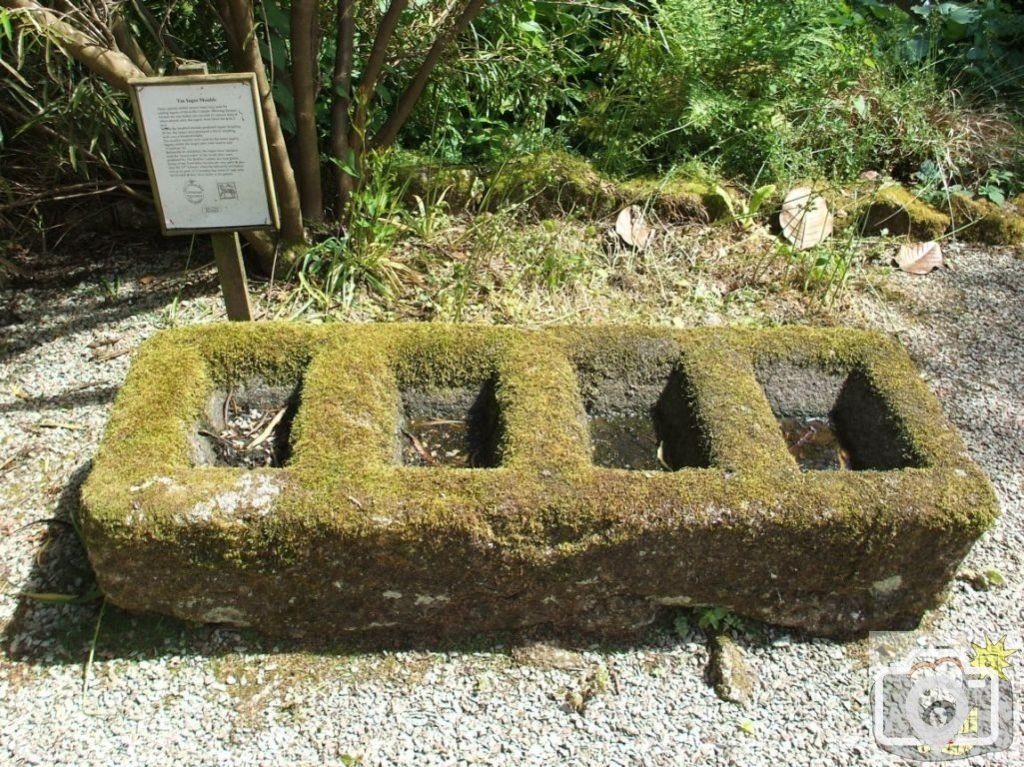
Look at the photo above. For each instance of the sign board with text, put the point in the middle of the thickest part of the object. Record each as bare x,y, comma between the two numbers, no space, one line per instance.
207,152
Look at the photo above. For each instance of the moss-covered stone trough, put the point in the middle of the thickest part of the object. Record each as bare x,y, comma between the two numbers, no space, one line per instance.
552,518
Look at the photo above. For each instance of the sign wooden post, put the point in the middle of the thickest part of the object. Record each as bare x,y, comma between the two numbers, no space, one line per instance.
227,254
206,152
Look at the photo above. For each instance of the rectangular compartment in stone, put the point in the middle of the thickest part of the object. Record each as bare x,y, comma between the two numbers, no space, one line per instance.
452,427
247,425
643,425
834,420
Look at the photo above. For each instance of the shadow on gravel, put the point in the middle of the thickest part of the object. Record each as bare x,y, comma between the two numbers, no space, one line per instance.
28,334
92,395
42,633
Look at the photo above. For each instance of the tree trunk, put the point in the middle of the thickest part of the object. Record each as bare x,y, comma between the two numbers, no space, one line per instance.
245,52
304,38
110,65
389,131
341,84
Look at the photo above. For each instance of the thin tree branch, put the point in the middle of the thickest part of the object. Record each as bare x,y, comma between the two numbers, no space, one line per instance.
374,66
61,193
389,131
156,28
102,162
129,46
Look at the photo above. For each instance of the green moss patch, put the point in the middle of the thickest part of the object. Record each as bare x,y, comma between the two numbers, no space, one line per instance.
894,209
978,220
540,529
556,183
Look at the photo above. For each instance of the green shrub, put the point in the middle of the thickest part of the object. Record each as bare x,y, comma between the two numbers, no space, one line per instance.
777,91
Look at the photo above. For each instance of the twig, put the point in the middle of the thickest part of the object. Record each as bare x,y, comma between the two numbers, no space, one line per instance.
227,405
811,431
47,423
50,197
113,354
425,454
92,651
47,521
265,434
6,465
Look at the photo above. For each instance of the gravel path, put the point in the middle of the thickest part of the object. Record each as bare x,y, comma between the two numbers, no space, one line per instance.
162,692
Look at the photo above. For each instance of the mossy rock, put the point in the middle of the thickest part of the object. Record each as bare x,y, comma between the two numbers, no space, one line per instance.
554,182
979,220
559,183
432,181
894,209
347,537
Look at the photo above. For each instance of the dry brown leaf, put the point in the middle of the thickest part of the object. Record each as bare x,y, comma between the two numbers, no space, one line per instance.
919,257
632,227
805,218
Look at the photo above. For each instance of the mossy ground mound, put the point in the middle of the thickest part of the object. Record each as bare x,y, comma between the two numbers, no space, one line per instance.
979,220
895,210
558,183
347,537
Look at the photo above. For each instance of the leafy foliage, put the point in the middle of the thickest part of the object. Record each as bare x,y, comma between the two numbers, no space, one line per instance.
777,91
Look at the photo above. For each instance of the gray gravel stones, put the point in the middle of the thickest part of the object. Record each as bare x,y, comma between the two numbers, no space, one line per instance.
161,692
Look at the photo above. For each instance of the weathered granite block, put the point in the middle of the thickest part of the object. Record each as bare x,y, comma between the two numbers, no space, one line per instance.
542,525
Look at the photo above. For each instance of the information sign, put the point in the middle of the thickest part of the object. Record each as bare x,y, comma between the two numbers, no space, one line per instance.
206,152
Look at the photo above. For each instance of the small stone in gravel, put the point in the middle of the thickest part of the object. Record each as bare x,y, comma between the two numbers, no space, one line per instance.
548,656
728,671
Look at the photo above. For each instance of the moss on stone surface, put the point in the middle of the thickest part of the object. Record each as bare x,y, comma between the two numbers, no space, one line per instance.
344,539
978,220
556,183
895,209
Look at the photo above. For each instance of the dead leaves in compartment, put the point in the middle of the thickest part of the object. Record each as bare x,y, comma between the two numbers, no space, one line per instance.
805,218
632,228
249,436
422,453
268,431
919,257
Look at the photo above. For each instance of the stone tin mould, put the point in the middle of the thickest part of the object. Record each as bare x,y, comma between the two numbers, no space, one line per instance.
595,476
